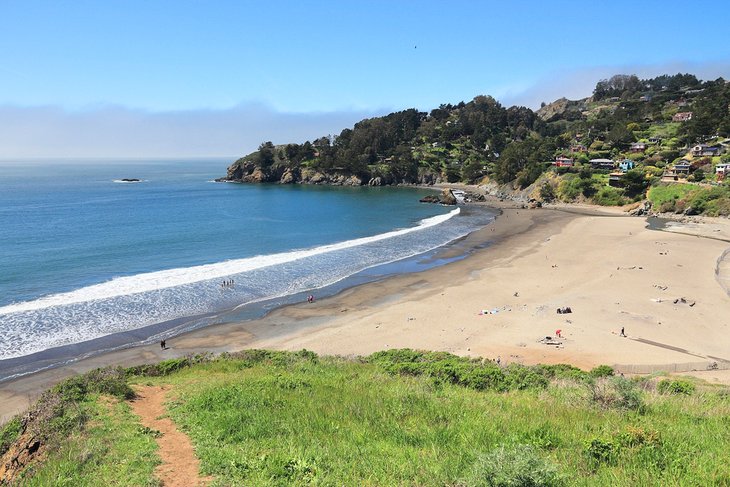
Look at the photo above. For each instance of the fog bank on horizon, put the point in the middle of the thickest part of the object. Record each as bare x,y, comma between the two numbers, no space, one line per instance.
120,132
113,131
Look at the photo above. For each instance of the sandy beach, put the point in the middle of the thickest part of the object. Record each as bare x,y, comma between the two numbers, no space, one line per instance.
612,271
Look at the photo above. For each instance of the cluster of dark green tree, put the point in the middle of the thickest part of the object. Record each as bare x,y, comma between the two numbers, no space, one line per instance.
468,141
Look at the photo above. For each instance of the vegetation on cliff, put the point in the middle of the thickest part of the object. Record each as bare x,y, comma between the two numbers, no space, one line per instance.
645,122
398,417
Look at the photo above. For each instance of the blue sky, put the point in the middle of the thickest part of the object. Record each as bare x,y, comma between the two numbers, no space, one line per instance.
194,77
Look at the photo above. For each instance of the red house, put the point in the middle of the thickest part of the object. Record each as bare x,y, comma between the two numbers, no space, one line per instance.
563,162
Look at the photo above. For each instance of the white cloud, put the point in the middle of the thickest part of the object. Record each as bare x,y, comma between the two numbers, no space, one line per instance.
114,131
576,84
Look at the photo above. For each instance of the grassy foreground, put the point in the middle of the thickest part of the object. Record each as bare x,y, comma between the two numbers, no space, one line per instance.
394,418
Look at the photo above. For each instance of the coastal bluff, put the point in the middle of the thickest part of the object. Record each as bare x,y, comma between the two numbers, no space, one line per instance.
250,170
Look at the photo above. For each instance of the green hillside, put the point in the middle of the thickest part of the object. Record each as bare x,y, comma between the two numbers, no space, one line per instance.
394,418
644,122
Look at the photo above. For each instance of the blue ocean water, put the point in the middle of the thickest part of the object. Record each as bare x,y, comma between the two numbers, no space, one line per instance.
84,255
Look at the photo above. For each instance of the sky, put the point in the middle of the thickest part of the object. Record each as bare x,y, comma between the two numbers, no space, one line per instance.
191,78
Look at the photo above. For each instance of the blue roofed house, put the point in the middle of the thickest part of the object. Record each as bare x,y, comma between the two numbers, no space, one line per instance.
625,165
704,150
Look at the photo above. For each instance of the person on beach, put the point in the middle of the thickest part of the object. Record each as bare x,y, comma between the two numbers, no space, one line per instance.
163,344
623,334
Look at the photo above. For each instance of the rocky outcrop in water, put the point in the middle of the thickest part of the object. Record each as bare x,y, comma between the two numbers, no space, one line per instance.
445,198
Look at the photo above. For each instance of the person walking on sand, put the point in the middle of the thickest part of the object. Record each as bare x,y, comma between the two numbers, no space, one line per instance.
623,334
163,345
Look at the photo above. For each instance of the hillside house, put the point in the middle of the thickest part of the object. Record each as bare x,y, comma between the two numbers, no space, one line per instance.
638,147
655,140
673,173
603,164
625,165
578,148
704,150
682,116
615,179
563,162
682,167
721,170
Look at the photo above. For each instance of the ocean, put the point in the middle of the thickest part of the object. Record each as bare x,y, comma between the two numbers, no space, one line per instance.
85,255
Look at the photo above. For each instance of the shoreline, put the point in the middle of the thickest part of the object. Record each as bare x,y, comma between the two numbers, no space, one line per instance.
17,367
438,308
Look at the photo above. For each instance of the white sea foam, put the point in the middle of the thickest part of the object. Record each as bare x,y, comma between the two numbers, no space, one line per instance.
160,280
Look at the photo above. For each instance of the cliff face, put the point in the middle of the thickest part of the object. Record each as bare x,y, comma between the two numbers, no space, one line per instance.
245,170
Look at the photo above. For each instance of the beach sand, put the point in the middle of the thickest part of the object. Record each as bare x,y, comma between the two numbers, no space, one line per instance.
607,267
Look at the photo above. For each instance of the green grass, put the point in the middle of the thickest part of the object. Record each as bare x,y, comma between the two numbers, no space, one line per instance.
111,449
661,194
404,417
678,198
664,130
335,422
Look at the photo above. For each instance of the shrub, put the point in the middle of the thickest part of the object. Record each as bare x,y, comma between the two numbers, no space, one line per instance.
676,386
520,377
667,207
569,189
297,471
637,436
107,380
542,437
560,371
546,192
485,378
167,367
628,394
609,196
616,393
602,371
514,466
471,373
601,451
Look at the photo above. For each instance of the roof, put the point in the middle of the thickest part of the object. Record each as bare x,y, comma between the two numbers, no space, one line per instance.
601,160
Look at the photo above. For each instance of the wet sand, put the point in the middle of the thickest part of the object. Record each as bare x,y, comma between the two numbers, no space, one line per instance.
606,266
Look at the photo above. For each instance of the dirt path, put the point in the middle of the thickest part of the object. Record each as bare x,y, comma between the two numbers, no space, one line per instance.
179,466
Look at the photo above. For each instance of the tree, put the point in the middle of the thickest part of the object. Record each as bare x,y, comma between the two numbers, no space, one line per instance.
635,182
620,136
518,156
266,154
616,86
403,167
471,170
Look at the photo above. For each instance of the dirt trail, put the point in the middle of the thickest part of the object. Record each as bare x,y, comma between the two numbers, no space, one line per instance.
179,466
